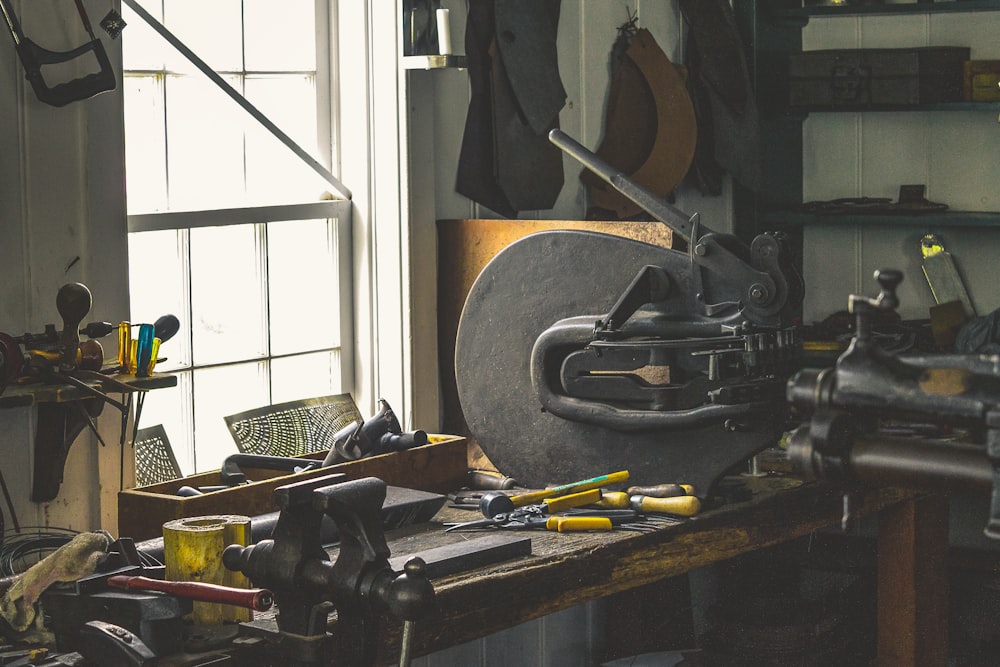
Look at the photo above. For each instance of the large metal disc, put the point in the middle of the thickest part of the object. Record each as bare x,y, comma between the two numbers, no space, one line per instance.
526,288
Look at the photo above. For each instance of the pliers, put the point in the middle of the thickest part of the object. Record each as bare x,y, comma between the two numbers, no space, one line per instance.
536,519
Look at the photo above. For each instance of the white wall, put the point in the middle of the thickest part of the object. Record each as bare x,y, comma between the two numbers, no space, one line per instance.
61,197
953,153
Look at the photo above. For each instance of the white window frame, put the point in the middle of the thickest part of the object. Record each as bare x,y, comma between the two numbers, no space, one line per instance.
338,210
369,140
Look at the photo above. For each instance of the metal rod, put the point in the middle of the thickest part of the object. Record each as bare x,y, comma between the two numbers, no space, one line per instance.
680,223
923,464
406,644
238,98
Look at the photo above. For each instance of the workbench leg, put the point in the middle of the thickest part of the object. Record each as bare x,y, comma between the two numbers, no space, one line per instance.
913,583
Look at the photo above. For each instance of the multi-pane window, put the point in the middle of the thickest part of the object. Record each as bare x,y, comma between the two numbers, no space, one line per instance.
229,229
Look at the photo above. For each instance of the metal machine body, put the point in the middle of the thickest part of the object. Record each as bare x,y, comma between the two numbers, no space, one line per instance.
579,352
949,402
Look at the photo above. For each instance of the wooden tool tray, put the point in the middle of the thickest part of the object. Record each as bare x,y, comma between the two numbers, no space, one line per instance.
438,467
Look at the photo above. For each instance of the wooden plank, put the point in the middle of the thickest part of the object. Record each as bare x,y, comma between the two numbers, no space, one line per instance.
913,583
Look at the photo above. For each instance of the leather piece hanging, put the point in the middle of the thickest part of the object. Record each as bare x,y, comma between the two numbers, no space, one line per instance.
724,74
705,174
529,166
507,164
650,129
476,178
526,37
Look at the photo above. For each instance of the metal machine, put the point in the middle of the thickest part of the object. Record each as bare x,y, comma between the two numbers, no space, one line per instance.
923,421
579,352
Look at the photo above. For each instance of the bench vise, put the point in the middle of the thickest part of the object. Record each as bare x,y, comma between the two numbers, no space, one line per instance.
850,434
360,584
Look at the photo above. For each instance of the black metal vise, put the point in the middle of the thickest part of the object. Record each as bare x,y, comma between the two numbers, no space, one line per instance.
360,585
845,438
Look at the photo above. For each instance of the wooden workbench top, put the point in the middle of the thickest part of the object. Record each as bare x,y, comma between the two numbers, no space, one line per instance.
566,569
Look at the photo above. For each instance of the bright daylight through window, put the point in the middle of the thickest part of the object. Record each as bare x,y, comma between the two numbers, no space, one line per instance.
229,229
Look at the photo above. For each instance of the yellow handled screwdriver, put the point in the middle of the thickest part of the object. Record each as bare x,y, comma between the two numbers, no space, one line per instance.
495,503
562,503
566,524
680,505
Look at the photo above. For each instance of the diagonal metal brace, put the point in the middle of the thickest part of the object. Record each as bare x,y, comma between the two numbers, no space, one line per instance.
257,114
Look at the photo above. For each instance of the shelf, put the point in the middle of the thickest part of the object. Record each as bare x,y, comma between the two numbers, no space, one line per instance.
930,220
17,396
948,6
943,106
434,61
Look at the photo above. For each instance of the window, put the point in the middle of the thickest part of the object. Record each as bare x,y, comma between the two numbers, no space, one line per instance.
230,230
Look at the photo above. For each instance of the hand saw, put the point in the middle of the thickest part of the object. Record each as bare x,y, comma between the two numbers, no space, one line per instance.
34,57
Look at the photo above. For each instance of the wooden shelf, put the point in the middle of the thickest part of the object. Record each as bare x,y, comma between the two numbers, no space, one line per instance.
803,14
929,220
16,396
963,107
434,61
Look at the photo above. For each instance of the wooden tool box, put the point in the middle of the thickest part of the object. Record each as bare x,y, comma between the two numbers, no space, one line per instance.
982,81
873,78
438,467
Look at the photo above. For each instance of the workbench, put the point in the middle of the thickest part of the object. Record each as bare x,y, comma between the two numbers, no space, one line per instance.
567,569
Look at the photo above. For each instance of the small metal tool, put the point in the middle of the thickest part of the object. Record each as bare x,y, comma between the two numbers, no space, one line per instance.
942,274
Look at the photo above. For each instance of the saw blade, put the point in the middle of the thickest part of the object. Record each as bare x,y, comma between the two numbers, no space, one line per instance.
526,288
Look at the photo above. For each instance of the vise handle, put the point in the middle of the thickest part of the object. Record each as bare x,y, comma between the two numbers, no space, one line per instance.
258,599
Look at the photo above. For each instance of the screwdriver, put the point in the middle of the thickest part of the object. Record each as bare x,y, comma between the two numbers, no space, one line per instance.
567,524
681,505
165,327
537,515
97,329
495,503
661,490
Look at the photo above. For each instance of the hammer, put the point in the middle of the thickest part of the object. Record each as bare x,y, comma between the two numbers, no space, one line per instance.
258,599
